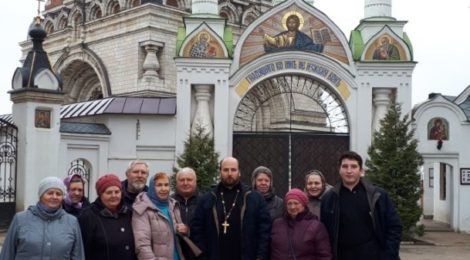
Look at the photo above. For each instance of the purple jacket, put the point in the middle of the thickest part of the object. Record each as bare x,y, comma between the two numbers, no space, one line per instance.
304,237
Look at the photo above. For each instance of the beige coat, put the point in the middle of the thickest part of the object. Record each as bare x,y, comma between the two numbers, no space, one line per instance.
154,239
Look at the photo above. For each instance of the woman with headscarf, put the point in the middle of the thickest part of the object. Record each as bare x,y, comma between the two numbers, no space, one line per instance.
315,187
156,221
262,181
75,199
44,231
106,223
299,234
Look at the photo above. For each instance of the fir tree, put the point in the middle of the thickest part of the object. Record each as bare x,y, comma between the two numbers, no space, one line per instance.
199,154
394,165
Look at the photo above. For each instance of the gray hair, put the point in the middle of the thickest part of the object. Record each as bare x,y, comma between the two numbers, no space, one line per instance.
135,162
186,170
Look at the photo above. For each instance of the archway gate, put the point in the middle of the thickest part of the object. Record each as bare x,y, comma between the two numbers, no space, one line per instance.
290,124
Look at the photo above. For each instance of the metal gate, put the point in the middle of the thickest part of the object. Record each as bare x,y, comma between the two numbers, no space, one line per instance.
82,168
289,156
8,166
290,124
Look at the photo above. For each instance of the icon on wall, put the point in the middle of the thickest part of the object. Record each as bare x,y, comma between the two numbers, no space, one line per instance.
385,48
292,38
42,118
438,129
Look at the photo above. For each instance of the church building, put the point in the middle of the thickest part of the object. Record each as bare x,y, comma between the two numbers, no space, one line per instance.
275,83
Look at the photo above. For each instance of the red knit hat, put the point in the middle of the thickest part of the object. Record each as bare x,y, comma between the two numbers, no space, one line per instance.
297,195
105,182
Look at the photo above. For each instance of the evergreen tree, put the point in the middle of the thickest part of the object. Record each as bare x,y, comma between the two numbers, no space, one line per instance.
199,154
394,165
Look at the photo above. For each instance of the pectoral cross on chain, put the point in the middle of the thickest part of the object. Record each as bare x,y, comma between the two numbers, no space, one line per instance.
225,225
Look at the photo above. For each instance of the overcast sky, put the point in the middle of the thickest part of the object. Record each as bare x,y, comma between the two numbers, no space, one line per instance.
439,32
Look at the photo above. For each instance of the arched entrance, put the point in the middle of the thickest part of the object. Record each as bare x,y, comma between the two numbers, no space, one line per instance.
291,124
81,83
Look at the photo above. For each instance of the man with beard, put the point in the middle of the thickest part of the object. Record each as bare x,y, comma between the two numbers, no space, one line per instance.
231,221
136,181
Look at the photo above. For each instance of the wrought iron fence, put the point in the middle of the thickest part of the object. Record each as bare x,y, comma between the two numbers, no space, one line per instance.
8,166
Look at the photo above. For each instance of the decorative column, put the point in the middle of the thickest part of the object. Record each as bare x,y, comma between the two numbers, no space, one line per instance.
202,117
381,102
151,66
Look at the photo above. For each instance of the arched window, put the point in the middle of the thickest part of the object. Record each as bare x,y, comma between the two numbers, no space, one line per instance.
62,23
83,168
96,12
113,7
49,27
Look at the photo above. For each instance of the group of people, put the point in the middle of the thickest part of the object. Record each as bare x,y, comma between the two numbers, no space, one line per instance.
130,220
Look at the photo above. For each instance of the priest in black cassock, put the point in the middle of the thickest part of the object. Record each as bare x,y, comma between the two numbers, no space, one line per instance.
231,221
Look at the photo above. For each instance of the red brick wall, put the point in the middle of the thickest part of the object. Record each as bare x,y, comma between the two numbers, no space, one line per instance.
54,3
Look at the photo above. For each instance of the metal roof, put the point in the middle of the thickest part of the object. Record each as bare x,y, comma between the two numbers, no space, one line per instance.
84,128
8,118
121,105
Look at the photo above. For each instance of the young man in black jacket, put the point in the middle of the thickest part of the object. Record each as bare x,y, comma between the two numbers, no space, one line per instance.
360,218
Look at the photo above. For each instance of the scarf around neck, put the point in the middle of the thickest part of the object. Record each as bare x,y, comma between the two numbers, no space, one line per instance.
47,213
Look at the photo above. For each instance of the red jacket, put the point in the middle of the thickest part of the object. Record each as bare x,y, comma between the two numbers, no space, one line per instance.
304,237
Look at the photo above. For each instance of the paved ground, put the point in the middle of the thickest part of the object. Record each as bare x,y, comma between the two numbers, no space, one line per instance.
443,245
438,242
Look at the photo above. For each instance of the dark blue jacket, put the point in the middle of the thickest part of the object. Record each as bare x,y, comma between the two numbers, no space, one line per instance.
256,226
386,222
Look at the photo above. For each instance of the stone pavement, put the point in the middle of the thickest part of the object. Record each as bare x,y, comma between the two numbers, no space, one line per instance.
438,242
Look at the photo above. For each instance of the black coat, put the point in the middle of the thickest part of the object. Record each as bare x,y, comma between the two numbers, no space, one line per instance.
385,221
128,197
187,207
107,236
275,206
75,211
256,226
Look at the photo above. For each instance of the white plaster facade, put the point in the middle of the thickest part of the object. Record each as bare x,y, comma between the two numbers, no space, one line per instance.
445,196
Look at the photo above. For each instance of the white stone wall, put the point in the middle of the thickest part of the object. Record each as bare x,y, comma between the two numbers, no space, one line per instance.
393,76
38,150
153,143
213,72
90,148
454,210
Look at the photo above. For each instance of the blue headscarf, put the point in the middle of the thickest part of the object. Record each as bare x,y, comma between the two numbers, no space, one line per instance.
152,194
163,206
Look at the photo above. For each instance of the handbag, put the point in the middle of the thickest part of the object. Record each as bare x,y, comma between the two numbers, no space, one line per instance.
188,247
190,250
